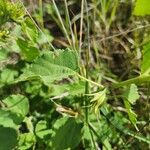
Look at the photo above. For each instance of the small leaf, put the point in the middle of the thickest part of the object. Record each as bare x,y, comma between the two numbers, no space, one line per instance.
131,114
8,75
29,52
98,99
8,138
26,140
42,130
132,94
142,8
30,29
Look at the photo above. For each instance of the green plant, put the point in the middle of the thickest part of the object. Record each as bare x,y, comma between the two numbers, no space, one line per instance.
70,98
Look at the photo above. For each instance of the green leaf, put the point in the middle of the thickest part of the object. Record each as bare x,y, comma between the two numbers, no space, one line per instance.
17,104
3,54
30,29
142,8
131,114
145,66
7,119
68,135
8,75
44,37
26,140
51,66
98,100
29,52
8,138
131,93
10,12
42,130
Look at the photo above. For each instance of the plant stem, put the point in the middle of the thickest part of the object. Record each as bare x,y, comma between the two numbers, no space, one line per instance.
86,102
69,24
90,81
137,80
41,13
81,24
96,134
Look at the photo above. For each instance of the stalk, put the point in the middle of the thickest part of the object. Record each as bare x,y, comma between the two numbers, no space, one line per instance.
137,80
69,23
61,22
86,101
41,13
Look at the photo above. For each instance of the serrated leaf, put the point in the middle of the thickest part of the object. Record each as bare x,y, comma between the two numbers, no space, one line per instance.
17,104
68,135
131,94
142,8
8,138
145,65
50,66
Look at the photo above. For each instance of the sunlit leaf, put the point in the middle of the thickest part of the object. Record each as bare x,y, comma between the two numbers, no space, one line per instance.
52,66
132,94
26,141
145,65
17,104
142,8
132,115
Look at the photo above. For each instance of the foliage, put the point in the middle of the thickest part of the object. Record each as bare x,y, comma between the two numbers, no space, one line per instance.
141,8
67,81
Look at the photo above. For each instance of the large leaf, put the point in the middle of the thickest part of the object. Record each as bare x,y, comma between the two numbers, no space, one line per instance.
17,104
68,135
8,138
145,67
142,7
52,66
131,94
